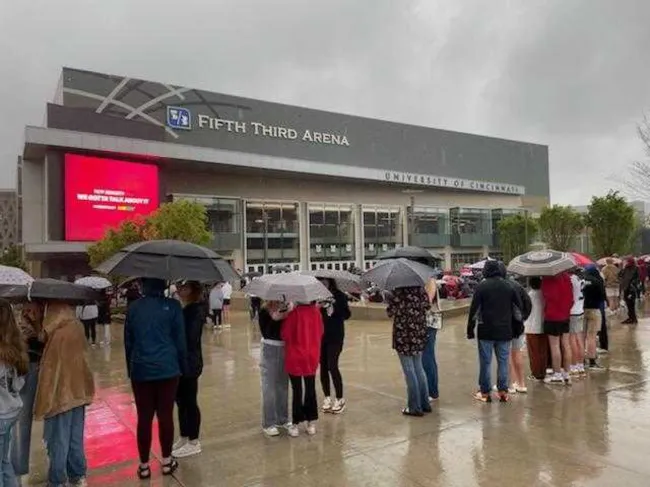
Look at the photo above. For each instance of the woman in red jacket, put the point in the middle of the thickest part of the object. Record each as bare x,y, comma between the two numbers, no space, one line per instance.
302,332
557,292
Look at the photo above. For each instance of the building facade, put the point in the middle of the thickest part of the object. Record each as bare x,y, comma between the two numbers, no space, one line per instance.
282,185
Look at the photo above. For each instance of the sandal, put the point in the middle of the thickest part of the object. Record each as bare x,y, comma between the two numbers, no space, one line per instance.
170,468
144,473
408,412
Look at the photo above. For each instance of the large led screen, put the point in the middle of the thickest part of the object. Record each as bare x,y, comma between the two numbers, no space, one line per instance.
101,193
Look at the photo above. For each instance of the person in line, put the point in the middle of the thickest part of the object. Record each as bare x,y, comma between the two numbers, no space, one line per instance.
216,305
630,283
104,317
334,315
429,362
14,366
577,326
557,292
536,340
189,414
30,326
65,388
516,362
156,356
492,312
255,305
226,289
594,298
408,307
275,381
88,314
643,276
132,293
302,333
612,284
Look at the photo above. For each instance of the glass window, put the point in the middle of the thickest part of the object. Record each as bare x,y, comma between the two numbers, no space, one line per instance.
470,221
273,235
430,221
458,260
332,237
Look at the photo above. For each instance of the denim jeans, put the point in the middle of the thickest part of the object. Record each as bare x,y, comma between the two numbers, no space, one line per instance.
21,435
275,384
429,362
502,351
7,474
416,383
64,440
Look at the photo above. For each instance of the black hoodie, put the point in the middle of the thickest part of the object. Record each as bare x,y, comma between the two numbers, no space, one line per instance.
594,290
492,305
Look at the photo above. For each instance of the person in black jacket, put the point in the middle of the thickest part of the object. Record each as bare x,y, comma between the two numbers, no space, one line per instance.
595,296
630,285
334,316
493,311
189,414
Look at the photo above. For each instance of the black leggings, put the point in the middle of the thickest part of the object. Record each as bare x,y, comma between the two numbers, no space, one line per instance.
217,317
329,365
630,302
90,329
304,403
189,414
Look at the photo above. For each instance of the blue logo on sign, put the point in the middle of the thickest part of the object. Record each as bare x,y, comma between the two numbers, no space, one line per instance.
179,118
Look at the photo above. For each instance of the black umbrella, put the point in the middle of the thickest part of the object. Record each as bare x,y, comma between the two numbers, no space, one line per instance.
171,260
395,273
50,289
417,254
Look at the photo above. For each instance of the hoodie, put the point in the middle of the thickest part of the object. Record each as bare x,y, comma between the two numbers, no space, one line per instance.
594,288
558,298
493,306
302,332
154,335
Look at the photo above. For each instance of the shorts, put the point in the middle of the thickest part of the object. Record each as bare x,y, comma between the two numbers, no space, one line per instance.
519,343
556,328
612,292
577,324
226,302
593,321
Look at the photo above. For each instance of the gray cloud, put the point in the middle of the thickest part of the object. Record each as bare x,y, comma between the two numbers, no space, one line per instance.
573,75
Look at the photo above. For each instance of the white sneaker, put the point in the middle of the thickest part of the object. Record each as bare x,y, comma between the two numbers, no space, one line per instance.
513,388
311,428
293,431
180,443
271,431
82,482
339,406
602,351
555,378
327,404
188,449
522,389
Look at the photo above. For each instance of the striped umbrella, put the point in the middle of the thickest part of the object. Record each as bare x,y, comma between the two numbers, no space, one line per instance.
541,263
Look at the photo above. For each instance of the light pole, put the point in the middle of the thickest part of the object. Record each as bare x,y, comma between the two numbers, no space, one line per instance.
411,222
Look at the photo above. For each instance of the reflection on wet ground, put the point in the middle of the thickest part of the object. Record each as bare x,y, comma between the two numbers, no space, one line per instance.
595,433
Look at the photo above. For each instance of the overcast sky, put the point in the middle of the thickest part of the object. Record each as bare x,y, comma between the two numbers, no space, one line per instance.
572,74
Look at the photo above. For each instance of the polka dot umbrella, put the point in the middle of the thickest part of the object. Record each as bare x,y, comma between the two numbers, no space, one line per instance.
10,276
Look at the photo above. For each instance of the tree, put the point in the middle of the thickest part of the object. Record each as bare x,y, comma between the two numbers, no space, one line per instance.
613,224
13,256
180,220
516,233
637,183
559,226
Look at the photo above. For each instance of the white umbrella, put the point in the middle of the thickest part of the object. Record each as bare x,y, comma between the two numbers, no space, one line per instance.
345,281
480,264
541,263
288,287
14,276
95,282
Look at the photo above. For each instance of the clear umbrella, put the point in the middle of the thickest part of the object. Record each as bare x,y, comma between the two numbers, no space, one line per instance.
288,287
345,281
95,282
14,275
395,273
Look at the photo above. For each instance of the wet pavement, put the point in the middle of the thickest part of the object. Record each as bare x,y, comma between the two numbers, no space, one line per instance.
595,433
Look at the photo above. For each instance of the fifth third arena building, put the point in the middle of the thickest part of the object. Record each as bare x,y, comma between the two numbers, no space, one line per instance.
282,185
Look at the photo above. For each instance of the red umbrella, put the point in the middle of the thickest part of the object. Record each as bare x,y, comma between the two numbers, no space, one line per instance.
581,260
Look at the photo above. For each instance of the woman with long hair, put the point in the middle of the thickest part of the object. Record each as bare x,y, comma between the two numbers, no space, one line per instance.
156,357
275,381
14,365
334,314
189,414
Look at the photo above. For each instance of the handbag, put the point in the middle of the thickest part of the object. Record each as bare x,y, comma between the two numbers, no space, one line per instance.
434,317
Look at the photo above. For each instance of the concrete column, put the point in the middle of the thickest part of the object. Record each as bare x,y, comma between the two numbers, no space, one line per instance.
303,223
447,254
406,225
486,250
359,244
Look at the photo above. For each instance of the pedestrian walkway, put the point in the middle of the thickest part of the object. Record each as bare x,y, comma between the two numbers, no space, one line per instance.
596,433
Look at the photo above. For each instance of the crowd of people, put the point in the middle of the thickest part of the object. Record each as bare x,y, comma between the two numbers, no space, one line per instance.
44,374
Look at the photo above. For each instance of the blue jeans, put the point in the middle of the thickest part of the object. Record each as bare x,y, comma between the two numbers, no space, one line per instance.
275,385
7,475
502,351
64,439
21,435
429,362
416,383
